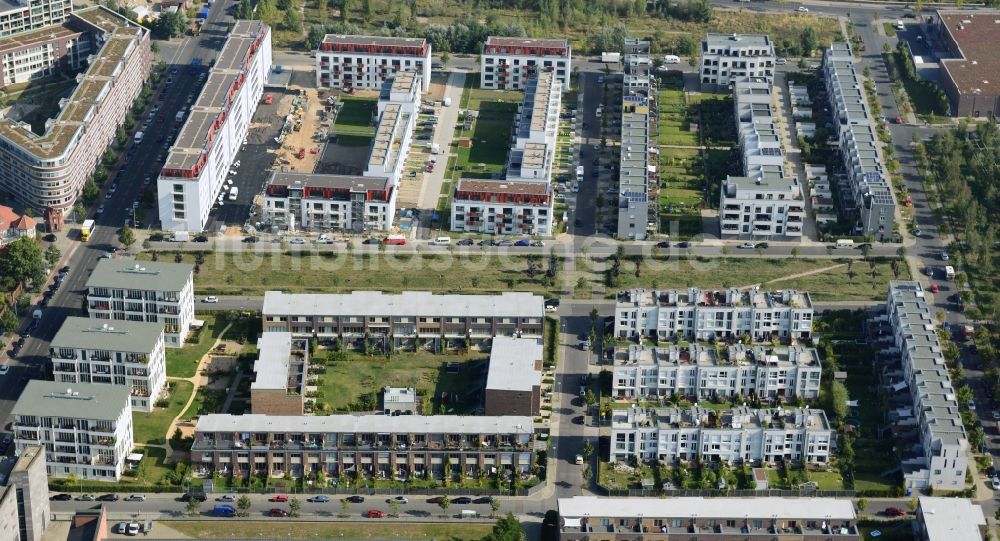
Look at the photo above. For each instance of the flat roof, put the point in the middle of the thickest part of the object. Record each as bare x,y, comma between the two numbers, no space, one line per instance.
35,37
108,335
408,303
406,424
391,41
399,395
512,364
82,401
315,180
147,275
951,519
500,41
780,508
977,35
274,350
503,186
737,40
64,129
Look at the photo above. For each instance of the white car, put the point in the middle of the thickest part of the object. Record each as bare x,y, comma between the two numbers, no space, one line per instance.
747,245
100,209
995,483
298,240
972,405
4,369
803,9
210,299
944,256
133,528
136,498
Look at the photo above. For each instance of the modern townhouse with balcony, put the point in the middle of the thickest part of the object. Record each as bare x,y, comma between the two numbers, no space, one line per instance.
697,314
872,202
590,518
636,176
150,291
85,428
716,371
949,519
407,320
362,446
366,62
741,435
522,203
763,203
511,63
130,354
942,458
727,58
353,203
279,383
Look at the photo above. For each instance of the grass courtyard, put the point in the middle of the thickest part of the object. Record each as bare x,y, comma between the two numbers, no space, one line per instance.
674,125
355,117
490,139
151,428
346,382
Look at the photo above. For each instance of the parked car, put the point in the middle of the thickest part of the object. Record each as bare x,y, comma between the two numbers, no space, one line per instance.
462,500
523,242
85,498
465,242
747,246
507,242
211,299
435,499
399,499
107,498
61,498
321,498
663,244
278,498
995,483
136,498
483,499
356,499
276,512
226,498
894,512
375,513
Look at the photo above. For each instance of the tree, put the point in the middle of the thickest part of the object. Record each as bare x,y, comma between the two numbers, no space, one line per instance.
266,10
345,5
808,41
23,261
292,21
126,237
192,506
494,506
862,505
588,449
315,36
8,321
507,528
294,507
243,10
589,398
394,505
52,255
445,502
345,504
837,398
90,191
367,10
243,505
445,57
169,25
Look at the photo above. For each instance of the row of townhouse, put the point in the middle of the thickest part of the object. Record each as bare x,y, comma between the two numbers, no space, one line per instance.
730,58
200,159
522,203
128,354
409,320
150,291
736,436
590,518
763,203
49,169
353,203
708,372
85,428
367,62
871,191
511,63
944,446
697,314
635,174
366,446
279,382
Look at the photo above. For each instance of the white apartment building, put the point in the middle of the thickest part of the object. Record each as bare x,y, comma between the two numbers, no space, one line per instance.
50,169
522,203
697,314
353,203
129,354
739,435
86,429
18,16
635,167
366,62
707,372
510,63
217,124
873,200
726,58
944,445
151,291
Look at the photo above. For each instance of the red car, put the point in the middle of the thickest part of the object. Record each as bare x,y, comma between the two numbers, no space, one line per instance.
894,512
899,120
277,512
935,288
278,498
375,513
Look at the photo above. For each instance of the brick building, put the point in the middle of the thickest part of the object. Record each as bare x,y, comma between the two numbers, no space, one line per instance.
514,380
279,386
971,79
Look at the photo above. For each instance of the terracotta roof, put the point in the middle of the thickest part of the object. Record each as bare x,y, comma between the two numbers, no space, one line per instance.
977,70
12,220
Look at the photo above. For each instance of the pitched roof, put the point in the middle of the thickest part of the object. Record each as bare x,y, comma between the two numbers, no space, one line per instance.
12,220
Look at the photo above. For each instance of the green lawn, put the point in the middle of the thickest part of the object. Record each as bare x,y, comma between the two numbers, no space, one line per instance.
182,362
355,118
674,122
152,427
490,140
843,284
247,529
890,28
472,97
252,274
345,382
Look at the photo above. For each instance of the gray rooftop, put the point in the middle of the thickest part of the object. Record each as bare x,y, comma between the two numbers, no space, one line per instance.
779,508
144,275
86,400
512,364
274,350
407,424
108,335
399,395
737,40
407,303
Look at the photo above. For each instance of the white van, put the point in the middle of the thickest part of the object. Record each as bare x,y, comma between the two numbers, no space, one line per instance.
138,137
845,243
441,241
234,193
671,59
469,513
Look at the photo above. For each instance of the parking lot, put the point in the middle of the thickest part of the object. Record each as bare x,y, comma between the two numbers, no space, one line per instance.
255,160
